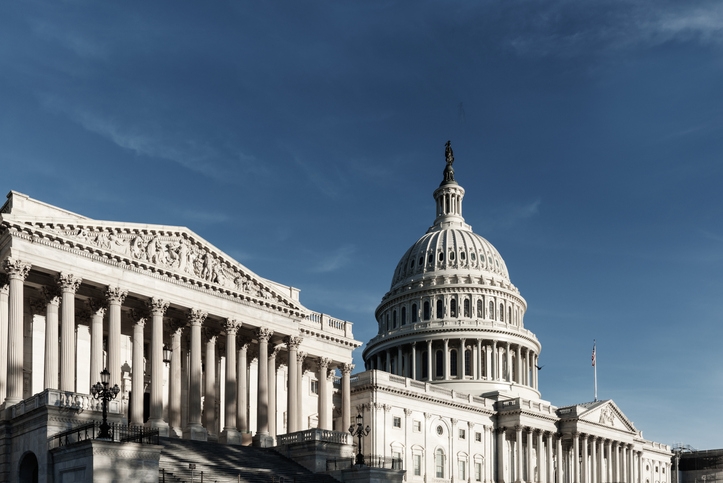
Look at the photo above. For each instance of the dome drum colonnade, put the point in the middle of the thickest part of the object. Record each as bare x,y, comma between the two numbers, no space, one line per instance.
51,284
452,313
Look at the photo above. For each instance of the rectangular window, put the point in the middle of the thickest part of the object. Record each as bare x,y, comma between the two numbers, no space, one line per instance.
478,437
417,426
417,465
314,387
478,472
397,461
462,470
397,422
462,434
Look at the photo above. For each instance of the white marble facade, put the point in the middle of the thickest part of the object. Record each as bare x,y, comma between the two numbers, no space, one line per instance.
78,295
451,382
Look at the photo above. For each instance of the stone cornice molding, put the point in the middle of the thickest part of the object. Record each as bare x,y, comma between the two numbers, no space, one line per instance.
330,337
16,269
173,253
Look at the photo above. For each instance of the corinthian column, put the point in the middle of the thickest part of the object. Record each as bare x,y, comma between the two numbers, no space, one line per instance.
137,376
242,421
174,383
158,309
272,389
346,395
229,434
115,296
97,311
195,429
51,338
17,271
4,293
323,393
262,415
69,284
209,401
292,344
300,356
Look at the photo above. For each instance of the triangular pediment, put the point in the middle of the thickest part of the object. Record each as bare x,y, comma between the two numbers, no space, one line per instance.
606,413
173,251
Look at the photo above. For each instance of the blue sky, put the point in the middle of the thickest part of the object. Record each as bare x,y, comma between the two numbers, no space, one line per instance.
305,139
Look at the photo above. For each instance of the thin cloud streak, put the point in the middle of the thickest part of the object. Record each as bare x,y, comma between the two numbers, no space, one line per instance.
336,260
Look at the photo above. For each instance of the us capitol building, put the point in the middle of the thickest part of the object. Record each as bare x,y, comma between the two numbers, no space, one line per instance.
203,349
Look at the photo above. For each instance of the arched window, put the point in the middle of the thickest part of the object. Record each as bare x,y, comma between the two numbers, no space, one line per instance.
414,313
491,314
427,311
387,317
440,309
439,463
466,307
467,365
404,316
439,362
453,362
502,313
394,319
425,365
453,308
480,309
509,314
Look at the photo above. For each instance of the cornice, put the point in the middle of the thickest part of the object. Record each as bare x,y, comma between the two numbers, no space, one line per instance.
339,340
91,246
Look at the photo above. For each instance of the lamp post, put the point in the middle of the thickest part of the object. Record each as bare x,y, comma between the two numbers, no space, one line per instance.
100,390
359,431
166,354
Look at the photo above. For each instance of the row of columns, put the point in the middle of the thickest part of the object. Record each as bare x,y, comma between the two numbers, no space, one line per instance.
588,459
488,360
63,362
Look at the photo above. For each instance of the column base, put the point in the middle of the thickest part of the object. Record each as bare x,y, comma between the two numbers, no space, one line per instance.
175,432
160,425
230,436
263,440
195,432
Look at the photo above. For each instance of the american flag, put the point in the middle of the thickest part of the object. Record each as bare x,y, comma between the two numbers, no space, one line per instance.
593,353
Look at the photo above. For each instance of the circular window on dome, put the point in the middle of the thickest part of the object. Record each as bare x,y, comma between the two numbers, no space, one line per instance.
451,255
440,430
473,256
441,256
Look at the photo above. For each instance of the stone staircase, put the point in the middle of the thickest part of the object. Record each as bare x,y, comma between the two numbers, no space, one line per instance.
221,463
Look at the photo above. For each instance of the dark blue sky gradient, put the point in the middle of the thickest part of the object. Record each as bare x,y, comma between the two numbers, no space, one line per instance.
305,140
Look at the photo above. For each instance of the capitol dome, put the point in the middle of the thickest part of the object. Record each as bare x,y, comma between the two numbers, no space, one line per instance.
452,317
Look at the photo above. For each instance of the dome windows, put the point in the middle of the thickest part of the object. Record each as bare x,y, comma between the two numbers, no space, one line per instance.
462,256
480,309
502,313
453,308
440,309
473,256
451,256
491,313
441,256
404,316
421,261
414,313
426,312
466,307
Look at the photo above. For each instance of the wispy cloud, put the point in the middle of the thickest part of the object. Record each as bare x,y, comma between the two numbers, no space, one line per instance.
209,217
322,181
335,260
153,142
74,41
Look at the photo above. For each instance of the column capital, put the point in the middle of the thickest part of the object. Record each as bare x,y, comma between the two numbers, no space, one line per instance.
16,269
346,368
175,327
243,343
274,351
157,306
324,362
139,317
69,282
210,334
116,295
51,294
293,342
330,376
96,306
38,306
300,356
264,333
231,326
196,316
500,430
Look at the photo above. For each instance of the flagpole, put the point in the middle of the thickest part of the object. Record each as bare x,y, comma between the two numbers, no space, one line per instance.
594,366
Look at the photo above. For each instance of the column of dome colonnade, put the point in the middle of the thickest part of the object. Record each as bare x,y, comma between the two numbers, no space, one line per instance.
481,360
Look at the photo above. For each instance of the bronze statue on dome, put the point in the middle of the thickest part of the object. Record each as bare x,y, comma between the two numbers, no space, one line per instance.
448,153
449,170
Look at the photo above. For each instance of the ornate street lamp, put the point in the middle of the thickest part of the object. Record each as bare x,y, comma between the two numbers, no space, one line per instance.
166,354
359,431
100,390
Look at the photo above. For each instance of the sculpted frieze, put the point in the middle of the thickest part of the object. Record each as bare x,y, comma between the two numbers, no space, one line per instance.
169,251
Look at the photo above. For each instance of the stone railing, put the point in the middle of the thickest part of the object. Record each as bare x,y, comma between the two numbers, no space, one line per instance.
314,434
326,323
70,401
